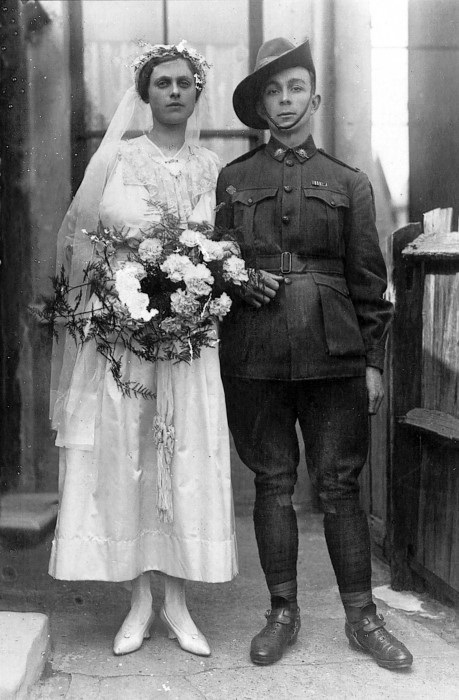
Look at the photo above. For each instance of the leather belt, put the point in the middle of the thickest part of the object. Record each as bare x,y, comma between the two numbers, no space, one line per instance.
285,263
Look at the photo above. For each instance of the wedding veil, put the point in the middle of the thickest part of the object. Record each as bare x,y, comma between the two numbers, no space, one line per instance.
74,247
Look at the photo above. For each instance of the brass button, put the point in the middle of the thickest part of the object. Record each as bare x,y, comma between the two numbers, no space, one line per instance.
289,163
288,188
250,200
287,280
332,202
285,219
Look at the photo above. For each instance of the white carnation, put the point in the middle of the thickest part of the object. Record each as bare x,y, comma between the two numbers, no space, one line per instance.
191,238
175,266
132,269
200,272
234,270
198,280
184,303
150,250
220,306
212,250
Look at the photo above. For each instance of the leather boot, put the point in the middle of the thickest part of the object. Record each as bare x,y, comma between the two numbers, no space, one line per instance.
280,631
368,635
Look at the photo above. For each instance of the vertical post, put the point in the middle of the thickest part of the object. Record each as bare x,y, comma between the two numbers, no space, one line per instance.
405,394
255,41
165,23
14,235
323,48
352,73
77,94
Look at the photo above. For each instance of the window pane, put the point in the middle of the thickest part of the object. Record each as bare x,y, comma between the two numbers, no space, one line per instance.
110,32
219,30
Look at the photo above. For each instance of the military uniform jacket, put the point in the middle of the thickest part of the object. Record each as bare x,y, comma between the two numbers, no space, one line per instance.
303,213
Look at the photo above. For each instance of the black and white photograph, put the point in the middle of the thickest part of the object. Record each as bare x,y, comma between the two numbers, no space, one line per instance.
229,349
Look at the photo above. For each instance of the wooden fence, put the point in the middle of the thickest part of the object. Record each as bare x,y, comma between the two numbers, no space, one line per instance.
422,515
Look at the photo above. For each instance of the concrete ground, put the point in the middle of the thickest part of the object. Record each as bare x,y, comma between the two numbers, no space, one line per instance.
84,618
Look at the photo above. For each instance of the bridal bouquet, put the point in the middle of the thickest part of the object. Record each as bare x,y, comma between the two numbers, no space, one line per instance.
158,293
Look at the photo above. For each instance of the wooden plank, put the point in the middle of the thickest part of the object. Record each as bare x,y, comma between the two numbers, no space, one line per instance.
437,537
437,239
404,394
451,535
433,422
438,220
434,585
439,246
440,355
440,489
454,556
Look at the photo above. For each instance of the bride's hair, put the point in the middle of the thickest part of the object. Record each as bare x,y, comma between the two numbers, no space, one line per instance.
143,79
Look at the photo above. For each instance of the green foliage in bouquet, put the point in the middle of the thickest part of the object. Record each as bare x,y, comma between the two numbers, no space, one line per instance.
156,292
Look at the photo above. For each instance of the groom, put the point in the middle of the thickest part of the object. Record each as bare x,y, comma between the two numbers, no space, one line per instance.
306,343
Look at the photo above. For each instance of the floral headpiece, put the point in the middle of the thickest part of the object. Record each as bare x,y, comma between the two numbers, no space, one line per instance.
180,50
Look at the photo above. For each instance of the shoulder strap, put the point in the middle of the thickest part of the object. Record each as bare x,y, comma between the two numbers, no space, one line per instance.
246,156
337,160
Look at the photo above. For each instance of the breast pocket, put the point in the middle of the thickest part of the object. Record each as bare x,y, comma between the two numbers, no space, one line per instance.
252,208
324,218
341,327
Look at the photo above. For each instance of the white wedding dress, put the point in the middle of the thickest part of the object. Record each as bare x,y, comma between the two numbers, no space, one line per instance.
108,526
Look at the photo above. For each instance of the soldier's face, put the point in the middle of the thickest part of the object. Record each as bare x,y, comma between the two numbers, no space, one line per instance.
287,96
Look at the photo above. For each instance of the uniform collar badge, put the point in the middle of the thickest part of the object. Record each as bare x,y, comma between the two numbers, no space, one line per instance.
279,152
301,152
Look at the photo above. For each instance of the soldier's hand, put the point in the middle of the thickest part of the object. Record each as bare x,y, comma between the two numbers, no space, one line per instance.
375,389
264,290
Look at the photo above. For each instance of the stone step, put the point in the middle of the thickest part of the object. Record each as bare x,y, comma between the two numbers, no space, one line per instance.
24,648
27,517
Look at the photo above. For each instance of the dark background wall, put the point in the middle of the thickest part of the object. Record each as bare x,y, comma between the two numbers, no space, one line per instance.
434,106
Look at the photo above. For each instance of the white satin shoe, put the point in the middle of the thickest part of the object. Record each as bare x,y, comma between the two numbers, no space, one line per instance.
195,643
130,636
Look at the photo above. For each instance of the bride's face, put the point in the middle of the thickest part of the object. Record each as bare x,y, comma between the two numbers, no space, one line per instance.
172,92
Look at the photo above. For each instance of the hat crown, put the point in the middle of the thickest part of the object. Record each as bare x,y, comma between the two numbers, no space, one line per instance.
272,49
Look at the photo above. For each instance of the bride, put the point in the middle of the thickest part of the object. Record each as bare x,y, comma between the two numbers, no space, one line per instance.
109,526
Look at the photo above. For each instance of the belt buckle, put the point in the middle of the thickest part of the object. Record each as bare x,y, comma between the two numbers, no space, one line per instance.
286,263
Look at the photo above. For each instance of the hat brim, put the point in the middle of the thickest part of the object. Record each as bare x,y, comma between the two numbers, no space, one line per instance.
245,96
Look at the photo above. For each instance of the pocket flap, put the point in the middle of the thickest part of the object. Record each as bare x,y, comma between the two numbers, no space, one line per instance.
333,199
250,197
335,282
